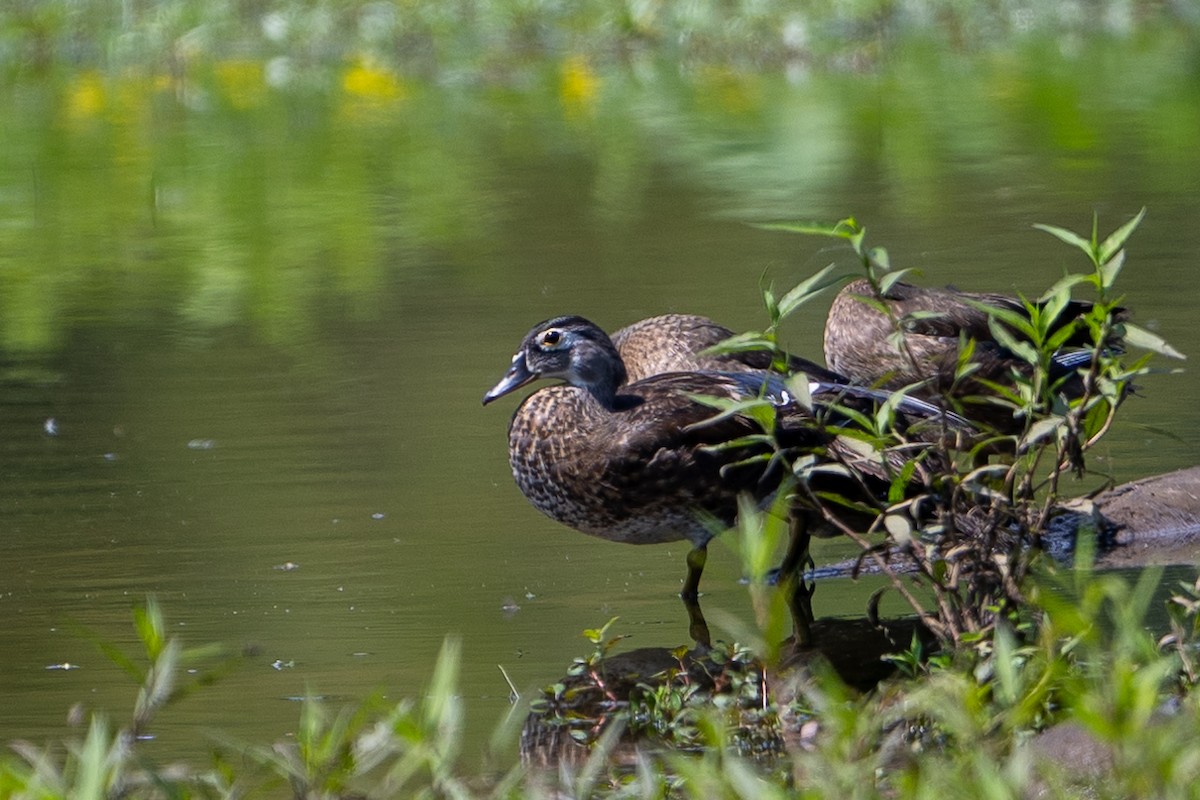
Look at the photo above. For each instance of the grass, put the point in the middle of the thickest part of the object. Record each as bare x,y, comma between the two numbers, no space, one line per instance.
967,723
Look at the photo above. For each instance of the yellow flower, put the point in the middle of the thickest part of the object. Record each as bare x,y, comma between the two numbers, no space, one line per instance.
87,97
370,82
577,86
242,82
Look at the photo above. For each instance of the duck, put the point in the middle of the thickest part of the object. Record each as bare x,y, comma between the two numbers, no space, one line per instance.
678,343
646,462
682,343
859,343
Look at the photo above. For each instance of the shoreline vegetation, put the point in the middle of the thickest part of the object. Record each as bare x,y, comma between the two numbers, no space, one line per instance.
1086,702
1017,675
494,42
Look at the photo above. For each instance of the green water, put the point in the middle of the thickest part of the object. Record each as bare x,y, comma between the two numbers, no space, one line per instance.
262,322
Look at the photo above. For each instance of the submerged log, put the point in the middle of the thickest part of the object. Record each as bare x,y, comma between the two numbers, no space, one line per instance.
1152,521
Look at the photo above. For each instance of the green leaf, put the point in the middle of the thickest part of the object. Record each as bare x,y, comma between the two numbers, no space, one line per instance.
910,322
750,440
115,655
1051,310
901,483
855,417
149,623
885,415
1009,317
1110,269
750,341
878,257
806,290
726,405
96,761
842,229
888,281
899,527
1041,429
1023,350
442,706
981,475
840,500
1116,240
771,304
861,448
761,411
1004,662
1140,337
596,635
1064,235
1065,283
798,387
822,468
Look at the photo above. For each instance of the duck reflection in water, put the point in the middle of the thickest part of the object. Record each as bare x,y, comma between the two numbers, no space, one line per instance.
646,462
581,706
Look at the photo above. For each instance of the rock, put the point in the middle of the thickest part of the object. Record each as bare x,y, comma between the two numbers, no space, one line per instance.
1156,520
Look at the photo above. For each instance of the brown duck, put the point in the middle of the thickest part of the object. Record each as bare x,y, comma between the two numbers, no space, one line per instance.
860,343
676,343
635,462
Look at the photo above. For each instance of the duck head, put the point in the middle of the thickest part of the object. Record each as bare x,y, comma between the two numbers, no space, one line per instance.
571,349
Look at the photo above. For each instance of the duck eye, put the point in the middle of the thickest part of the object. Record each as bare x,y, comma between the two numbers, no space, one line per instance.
551,338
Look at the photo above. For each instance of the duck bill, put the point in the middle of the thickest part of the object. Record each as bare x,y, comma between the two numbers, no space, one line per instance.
517,376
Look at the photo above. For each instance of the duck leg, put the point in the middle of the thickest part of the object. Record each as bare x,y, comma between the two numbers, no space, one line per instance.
791,580
696,559
697,626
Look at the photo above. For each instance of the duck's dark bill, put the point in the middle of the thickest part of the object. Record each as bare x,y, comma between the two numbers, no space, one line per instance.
517,376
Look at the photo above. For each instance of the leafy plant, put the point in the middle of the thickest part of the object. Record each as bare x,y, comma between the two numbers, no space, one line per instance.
968,511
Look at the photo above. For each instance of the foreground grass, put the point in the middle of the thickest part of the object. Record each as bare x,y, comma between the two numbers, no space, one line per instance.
1092,705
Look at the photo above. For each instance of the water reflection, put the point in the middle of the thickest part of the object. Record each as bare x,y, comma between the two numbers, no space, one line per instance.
323,296
647,696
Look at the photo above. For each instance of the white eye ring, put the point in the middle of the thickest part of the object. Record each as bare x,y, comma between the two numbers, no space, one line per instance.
551,339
